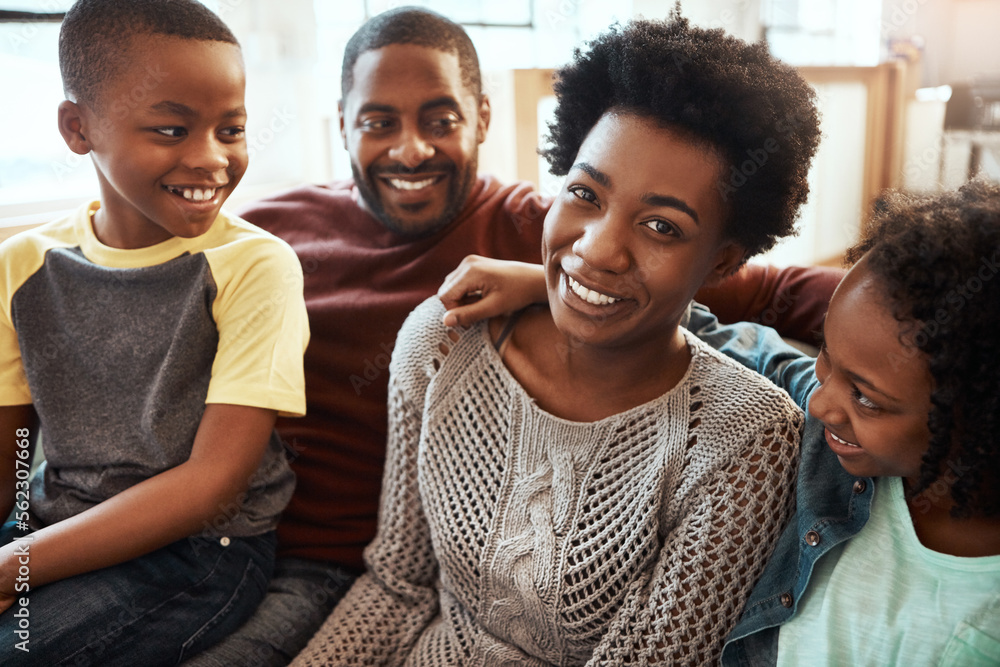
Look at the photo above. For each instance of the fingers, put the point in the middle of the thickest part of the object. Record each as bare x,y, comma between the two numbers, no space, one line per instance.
465,282
467,314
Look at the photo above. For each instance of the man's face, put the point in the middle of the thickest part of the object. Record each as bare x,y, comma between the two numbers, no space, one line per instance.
413,133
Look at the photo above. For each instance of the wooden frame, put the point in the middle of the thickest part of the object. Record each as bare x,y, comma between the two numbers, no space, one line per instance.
884,121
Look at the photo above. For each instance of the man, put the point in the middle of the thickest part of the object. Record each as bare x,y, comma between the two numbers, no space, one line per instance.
412,116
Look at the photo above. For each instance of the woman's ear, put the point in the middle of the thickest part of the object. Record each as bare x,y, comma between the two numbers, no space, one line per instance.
729,258
71,124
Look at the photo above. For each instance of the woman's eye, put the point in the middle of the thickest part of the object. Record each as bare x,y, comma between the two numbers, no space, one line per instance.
584,193
173,132
662,227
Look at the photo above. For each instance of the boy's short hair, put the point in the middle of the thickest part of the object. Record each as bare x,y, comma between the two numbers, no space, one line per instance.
412,25
97,36
756,113
937,260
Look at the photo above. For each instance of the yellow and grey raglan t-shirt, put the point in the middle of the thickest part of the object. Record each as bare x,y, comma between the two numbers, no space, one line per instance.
120,350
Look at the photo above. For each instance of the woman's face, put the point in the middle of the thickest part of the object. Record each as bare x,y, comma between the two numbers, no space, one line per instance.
874,396
635,231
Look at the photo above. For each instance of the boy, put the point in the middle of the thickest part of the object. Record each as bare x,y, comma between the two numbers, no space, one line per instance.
153,340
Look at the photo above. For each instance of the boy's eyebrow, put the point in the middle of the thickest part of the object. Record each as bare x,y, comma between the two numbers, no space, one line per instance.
178,109
650,198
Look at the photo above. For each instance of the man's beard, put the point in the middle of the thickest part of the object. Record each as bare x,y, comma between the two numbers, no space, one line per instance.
459,187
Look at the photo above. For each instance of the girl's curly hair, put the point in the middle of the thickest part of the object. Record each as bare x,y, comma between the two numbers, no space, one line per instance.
939,261
755,112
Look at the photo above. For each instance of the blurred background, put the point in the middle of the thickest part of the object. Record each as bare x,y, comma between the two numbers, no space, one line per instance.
909,91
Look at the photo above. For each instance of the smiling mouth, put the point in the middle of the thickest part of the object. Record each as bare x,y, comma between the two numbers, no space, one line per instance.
589,295
403,184
842,441
192,194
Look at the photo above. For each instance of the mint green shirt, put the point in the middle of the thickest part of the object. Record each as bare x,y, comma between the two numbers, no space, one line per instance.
882,598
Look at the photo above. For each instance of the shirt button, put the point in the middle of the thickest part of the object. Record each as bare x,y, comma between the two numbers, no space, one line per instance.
860,486
786,600
812,538
224,541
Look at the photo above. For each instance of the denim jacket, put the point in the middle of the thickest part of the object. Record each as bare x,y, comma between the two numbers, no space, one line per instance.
831,505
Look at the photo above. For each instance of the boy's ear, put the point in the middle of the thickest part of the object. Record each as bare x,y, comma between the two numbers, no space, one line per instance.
71,124
727,261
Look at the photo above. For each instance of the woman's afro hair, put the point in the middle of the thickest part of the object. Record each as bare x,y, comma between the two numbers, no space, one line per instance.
756,113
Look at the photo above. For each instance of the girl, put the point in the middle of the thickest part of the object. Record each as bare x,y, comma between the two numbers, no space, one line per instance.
893,555
586,483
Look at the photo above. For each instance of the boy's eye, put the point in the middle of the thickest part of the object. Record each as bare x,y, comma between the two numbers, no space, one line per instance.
234,132
662,227
173,132
583,192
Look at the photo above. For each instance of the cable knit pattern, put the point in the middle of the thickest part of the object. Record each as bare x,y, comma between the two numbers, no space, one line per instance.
509,536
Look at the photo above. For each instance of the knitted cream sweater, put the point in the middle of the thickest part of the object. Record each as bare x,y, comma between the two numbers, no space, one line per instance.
508,536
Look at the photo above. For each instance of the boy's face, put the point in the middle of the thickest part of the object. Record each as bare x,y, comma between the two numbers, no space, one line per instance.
168,140
413,131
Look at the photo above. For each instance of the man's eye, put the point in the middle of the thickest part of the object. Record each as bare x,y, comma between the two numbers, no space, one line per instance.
376,124
173,132
446,122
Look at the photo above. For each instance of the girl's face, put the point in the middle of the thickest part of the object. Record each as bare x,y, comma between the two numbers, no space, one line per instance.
637,228
874,396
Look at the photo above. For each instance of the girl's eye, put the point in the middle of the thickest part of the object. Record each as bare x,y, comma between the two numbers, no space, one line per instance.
662,227
583,192
172,132
863,400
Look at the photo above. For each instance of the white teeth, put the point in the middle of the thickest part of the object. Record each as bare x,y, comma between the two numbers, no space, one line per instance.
400,184
589,295
195,194
841,440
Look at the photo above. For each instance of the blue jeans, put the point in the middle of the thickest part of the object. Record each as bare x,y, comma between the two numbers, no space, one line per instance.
158,609
301,595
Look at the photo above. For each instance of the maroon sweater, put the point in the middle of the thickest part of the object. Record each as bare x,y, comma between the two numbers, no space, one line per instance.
361,281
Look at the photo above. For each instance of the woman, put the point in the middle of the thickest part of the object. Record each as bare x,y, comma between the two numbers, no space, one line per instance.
586,482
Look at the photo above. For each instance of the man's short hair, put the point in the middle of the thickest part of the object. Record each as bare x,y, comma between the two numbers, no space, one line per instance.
412,25
98,37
